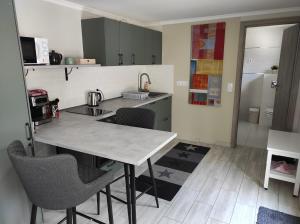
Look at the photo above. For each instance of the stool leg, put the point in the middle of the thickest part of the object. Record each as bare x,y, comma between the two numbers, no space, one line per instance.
74,215
33,214
109,205
69,216
153,181
98,203
268,168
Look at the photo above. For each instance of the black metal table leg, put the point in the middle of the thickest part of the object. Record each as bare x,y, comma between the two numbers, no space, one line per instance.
153,181
127,177
133,193
33,214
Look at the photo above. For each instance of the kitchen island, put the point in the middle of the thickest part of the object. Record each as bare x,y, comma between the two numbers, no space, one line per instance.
129,145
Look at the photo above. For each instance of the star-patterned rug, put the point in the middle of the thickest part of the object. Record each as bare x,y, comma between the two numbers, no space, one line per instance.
172,170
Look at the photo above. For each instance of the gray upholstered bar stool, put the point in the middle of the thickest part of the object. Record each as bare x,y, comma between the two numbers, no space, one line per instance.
53,183
142,118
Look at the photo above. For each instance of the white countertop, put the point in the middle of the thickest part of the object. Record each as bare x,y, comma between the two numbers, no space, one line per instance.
121,143
284,142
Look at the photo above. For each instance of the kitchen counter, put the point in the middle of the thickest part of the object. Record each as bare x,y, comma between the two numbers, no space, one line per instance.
125,144
114,104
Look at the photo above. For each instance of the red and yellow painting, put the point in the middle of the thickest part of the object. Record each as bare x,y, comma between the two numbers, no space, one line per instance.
207,63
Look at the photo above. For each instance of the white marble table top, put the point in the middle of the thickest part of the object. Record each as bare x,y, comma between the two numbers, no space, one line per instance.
284,142
81,133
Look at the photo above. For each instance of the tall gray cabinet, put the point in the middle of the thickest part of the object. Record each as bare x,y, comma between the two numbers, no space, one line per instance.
14,117
113,42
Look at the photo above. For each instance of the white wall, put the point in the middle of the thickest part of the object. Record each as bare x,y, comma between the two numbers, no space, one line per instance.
62,27
112,80
251,92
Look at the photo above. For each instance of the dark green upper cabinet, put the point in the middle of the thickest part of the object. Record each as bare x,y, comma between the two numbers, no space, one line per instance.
112,43
153,47
100,39
125,44
138,43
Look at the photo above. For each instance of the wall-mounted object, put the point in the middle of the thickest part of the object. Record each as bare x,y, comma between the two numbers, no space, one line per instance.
207,64
55,58
84,61
68,68
69,61
35,51
113,42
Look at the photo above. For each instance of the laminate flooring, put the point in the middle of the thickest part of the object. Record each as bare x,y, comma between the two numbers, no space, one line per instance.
225,188
252,135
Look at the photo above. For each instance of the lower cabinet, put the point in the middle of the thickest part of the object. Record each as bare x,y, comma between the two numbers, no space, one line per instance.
163,113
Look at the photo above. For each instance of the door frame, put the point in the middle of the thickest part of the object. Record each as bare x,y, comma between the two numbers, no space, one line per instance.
240,63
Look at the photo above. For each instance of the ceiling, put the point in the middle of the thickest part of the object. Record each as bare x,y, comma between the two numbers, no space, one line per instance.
164,10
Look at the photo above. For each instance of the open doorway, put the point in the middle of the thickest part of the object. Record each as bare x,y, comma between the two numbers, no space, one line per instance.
259,76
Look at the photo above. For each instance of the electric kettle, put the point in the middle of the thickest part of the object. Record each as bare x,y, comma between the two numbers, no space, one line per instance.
94,98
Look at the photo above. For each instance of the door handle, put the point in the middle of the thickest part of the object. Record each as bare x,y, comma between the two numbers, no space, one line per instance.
28,131
153,59
133,59
120,59
274,84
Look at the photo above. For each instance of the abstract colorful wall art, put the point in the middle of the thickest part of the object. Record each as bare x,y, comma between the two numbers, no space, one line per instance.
207,64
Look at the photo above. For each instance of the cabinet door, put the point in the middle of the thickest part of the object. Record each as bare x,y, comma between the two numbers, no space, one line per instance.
153,47
14,113
157,47
112,43
137,43
125,43
148,47
93,39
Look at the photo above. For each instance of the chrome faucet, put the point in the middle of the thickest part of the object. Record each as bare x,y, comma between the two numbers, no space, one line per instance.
141,79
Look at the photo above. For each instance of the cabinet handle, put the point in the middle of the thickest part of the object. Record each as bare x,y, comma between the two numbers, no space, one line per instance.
153,59
133,59
120,59
28,131
165,119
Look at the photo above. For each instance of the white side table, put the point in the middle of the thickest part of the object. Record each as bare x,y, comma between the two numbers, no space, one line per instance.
285,144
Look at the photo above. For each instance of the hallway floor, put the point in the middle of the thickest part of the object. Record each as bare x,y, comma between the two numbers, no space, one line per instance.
252,135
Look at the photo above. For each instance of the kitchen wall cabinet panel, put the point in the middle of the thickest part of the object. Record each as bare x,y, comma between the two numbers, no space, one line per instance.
153,47
117,43
138,43
101,40
125,38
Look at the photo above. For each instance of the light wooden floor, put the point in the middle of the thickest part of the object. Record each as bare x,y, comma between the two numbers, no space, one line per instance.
226,187
252,135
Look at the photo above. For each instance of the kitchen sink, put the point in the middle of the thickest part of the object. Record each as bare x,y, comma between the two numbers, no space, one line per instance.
155,94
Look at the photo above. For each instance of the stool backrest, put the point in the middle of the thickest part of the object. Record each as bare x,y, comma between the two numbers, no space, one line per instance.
50,182
136,117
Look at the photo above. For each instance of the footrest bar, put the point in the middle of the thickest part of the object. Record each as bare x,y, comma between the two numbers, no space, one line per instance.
89,218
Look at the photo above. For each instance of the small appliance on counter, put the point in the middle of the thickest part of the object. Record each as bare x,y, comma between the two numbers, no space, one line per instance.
94,98
35,50
55,58
40,108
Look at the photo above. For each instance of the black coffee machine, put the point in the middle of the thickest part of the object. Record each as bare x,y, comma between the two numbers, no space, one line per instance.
41,111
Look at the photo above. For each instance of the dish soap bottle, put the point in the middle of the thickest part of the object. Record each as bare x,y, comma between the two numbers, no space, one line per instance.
146,86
